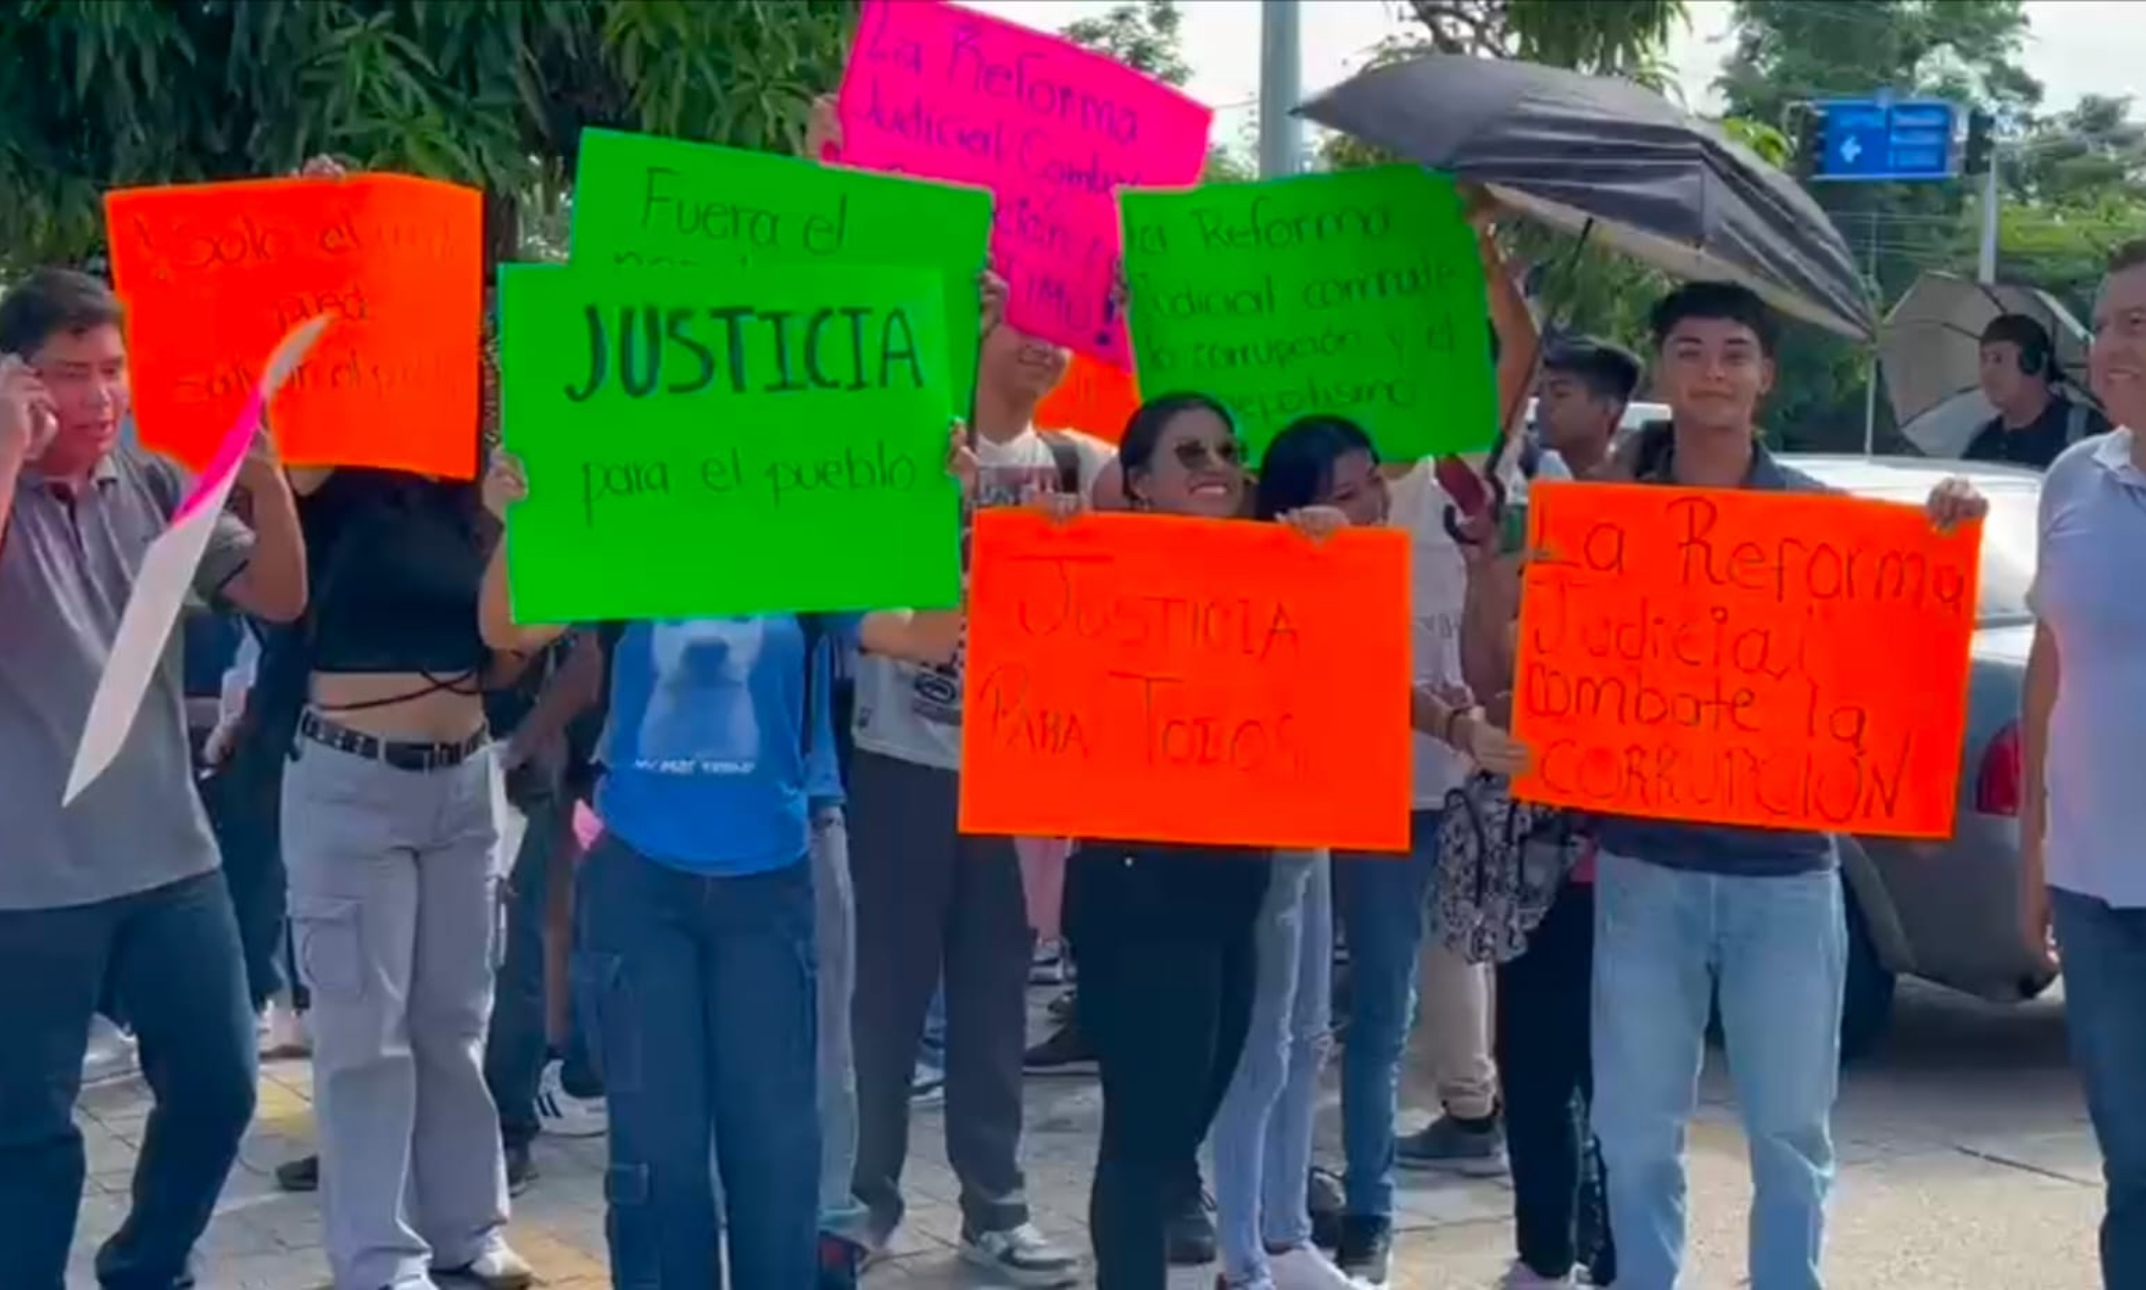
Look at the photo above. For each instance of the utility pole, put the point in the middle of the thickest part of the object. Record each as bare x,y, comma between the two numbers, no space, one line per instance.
1986,271
1281,131
1870,386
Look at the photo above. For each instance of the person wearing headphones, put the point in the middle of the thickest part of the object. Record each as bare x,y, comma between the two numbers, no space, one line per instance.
2035,421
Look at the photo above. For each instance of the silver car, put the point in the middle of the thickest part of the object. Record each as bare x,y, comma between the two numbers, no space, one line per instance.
1948,911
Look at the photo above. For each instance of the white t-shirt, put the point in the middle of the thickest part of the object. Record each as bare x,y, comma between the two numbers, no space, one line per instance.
1436,598
914,713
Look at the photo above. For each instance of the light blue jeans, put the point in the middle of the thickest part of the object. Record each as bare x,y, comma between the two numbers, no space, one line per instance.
835,940
1776,949
1262,1133
1384,902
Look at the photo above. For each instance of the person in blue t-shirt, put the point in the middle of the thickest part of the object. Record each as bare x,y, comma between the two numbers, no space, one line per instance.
698,954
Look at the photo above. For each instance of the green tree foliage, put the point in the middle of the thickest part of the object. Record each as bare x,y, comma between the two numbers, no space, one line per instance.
1789,53
1147,36
2074,188
1586,289
489,92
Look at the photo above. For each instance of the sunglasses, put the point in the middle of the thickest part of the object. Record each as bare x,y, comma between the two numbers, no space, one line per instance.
1195,453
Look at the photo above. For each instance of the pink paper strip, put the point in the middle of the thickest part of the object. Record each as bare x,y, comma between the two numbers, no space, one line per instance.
1053,130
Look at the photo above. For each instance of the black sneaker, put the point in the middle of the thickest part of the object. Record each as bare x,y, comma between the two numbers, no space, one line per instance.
1325,1201
840,1263
1190,1236
1060,1008
300,1175
1366,1251
1063,1052
521,1169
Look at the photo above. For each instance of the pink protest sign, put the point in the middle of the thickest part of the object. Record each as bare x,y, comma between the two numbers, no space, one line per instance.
1053,130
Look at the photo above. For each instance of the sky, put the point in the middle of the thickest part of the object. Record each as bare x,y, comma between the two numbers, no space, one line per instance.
2074,46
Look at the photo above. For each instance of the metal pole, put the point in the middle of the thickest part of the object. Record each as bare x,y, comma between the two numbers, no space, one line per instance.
1987,270
1870,387
1281,131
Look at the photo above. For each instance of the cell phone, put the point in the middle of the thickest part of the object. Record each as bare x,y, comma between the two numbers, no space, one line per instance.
1470,497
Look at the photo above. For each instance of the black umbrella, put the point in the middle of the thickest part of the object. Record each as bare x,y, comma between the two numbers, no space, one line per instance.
1604,157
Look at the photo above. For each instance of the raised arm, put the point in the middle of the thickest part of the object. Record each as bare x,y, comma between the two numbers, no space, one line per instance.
505,485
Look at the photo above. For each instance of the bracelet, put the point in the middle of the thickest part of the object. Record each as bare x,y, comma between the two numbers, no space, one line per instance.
1454,716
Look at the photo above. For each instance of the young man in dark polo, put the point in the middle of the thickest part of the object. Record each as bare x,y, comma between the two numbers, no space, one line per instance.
114,899
1685,910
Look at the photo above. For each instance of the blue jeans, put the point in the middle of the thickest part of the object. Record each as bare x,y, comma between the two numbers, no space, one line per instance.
2105,1006
702,991
518,1043
1384,902
169,958
1262,1133
1776,950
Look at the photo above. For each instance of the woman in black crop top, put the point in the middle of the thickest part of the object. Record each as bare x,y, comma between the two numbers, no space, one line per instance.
389,833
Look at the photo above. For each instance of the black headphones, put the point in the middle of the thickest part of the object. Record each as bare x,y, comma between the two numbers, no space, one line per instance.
2034,358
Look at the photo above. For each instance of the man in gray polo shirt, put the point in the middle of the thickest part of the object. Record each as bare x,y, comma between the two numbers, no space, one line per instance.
1684,912
113,902
2083,833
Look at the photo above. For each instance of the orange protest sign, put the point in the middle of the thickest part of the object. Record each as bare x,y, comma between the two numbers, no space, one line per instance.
214,274
1144,678
1094,398
1791,661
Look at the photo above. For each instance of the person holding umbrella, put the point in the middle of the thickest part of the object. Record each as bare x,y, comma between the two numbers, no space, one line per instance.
2034,421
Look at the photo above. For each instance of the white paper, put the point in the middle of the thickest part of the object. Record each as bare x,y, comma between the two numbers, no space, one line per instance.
164,578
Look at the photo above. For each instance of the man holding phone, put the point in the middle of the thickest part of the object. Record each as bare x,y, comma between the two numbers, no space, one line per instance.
115,900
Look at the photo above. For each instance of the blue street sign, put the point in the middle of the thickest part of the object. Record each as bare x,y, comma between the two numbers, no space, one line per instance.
1873,139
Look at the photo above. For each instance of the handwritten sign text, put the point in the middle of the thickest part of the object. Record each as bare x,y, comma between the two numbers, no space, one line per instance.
1794,661
1145,678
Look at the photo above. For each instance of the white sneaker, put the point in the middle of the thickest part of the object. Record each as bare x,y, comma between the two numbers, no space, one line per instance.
283,1032
498,1268
111,1053
1305,1268
563,1115
1021,1256
1522,1277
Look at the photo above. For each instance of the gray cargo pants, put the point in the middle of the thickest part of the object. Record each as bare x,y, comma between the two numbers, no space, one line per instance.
394,913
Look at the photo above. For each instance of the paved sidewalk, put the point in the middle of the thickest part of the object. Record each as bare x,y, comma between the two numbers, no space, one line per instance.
1965,1158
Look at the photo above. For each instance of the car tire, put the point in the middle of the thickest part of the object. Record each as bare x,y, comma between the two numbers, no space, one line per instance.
1867,994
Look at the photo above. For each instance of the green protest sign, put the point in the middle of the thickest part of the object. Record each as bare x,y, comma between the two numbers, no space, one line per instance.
707,442
645,201
1355,294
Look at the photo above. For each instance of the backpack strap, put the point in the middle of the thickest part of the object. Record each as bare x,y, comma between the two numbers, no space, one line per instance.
2075,424
1066,457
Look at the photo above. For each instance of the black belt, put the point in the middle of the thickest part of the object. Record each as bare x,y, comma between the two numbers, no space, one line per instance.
399,754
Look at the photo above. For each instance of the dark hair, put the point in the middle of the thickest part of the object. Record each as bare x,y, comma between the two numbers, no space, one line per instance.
1607,371
1298,469
1719,301
2131,255
52,301
2027,335
1143,429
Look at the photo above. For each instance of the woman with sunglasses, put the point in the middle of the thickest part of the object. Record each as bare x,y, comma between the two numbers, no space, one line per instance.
1163,934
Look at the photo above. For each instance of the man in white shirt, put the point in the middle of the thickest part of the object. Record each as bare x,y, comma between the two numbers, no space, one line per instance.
2084,728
